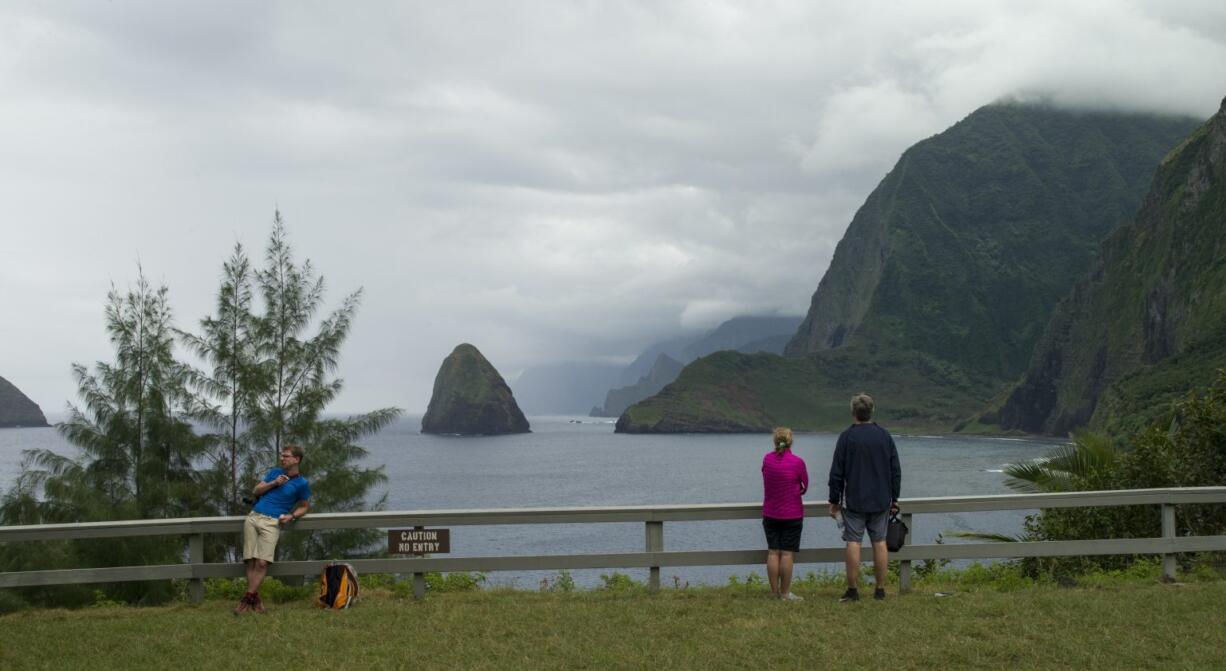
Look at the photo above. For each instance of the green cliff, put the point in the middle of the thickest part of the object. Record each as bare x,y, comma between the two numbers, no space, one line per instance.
730,392
946,276
16,409
1148,321
471,398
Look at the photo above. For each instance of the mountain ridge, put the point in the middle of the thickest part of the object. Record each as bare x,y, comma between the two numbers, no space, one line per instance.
1149,319
948,273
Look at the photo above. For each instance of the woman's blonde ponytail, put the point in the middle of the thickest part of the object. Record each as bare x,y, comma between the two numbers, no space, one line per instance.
782,439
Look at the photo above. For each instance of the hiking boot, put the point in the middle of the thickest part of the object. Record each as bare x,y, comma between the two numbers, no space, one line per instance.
879,594
244,605
852,594
257,605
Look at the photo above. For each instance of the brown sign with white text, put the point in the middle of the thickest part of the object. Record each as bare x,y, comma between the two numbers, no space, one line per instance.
418,541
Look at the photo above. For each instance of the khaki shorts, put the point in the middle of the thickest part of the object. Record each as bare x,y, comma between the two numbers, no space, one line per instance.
260,533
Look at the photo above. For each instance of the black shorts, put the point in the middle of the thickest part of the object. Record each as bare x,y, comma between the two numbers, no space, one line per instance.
782,534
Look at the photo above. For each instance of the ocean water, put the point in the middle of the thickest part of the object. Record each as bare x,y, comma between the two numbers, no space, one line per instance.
579,461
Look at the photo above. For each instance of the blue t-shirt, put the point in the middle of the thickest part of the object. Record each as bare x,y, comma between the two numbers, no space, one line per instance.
280,500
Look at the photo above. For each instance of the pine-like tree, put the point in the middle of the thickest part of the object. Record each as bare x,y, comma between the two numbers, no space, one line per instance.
272,380
223,395
137,451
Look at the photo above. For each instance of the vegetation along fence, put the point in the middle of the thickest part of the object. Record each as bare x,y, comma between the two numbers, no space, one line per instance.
653,555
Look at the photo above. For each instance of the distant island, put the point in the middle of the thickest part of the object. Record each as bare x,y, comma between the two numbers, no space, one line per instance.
17,410
606,390
471,398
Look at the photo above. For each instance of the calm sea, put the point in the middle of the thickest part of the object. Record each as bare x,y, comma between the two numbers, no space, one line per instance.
572,461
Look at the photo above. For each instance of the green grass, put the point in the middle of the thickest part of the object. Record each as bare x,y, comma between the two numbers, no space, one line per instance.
1110,622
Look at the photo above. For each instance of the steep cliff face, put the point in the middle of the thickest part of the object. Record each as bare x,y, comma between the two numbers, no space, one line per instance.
1149,319
846,290
665,370
950,270
967,244
16,409
471,398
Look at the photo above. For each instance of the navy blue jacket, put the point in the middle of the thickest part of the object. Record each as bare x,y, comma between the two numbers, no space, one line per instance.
865,475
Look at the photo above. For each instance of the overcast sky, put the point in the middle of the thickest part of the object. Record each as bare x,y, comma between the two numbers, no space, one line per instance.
548,181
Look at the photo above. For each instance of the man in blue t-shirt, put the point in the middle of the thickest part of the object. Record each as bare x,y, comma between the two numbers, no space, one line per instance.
284,496
865,478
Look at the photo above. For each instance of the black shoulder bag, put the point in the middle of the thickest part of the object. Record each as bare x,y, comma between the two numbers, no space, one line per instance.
895,533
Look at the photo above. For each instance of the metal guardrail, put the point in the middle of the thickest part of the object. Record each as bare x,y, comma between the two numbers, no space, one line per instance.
654,555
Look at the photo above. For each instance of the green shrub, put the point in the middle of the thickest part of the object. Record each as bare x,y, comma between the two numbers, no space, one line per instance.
1012,581
1206,567
225,589
377,581
278,592
975,574
562,583
619,582
273,590
751,582
102,601
456,581
1186,447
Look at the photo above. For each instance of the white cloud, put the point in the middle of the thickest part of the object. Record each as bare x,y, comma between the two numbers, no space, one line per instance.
547,180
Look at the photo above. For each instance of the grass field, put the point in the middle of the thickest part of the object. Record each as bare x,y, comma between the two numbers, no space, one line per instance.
1104,625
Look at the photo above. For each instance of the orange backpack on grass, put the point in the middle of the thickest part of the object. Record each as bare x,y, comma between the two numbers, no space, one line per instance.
338,586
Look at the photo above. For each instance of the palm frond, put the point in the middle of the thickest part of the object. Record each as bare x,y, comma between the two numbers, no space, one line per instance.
984,536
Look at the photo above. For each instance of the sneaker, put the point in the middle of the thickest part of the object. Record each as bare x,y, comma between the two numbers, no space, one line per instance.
852,594
257,605
879,594
244,605
792,597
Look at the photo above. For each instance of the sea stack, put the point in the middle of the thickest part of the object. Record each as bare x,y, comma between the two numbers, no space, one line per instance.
16,409
471,399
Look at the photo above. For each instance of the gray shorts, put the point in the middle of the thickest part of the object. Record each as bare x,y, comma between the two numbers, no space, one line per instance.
855,523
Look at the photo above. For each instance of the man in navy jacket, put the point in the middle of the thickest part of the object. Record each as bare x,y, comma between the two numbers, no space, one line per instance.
865,478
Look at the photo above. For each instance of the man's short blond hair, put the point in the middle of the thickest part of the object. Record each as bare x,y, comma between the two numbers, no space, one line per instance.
295,450
862,407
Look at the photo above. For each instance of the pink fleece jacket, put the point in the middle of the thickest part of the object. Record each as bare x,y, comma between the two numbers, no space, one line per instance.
784,480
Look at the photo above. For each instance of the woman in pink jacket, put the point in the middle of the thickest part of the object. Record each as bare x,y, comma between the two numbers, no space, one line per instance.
784,481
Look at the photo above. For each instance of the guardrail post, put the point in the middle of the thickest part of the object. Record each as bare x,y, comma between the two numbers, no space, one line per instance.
419,580
655,543
904,569
195,555
1168,531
